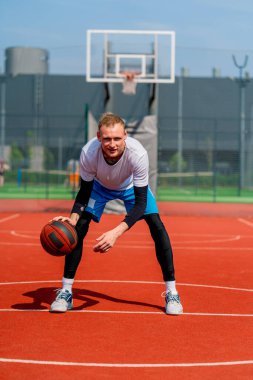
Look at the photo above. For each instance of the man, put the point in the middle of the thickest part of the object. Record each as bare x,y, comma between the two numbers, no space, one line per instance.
2,169
115,166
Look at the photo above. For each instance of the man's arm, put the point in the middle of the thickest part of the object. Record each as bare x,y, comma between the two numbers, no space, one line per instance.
80,203
108,239
140,205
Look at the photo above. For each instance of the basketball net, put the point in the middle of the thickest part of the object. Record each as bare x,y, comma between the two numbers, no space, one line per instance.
129,84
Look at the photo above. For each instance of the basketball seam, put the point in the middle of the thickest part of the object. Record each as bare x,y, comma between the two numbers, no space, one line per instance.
70,230
45,239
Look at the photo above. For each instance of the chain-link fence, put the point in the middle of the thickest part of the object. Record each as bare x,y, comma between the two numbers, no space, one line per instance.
198,159
42,158
205,159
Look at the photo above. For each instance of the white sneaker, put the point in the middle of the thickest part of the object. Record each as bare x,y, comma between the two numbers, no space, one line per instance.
63,302
173,305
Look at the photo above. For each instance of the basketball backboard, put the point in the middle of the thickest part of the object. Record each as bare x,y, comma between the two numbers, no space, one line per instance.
150,55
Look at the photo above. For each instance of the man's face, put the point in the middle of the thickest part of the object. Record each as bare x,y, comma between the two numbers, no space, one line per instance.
112,140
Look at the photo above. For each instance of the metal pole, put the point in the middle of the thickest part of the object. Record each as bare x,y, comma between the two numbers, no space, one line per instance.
180,126
242,137
214,177
60,153
3,116
242,84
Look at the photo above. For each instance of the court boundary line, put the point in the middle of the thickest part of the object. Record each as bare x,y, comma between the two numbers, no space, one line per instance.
127,246
131,312
222,240
13,216
127,282
245,222
135,233
126,365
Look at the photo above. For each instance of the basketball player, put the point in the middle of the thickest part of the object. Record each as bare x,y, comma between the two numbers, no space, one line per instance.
2,167
115,166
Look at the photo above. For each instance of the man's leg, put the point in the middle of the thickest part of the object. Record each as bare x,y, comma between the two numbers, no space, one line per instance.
73,259
164,256
63,301
162,245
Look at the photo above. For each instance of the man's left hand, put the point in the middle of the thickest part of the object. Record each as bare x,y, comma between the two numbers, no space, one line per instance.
105,242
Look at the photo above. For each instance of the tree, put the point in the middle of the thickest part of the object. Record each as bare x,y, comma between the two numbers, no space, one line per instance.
16,157
177,162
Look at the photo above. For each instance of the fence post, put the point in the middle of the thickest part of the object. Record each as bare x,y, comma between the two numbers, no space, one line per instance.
3,115
47,180
214,161
242,84
86,122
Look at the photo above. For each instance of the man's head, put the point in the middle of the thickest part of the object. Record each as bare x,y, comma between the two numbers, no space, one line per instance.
108,119
112,134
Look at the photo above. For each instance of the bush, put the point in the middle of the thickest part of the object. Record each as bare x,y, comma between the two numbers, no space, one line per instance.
16,157
177,161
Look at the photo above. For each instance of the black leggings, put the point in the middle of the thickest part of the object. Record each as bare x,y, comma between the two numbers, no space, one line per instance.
158,232
73,259
163,247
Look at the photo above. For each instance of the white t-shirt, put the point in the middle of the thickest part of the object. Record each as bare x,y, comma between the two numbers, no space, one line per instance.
130,170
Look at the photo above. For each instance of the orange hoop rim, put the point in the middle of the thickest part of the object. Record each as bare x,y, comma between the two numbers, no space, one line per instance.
129,75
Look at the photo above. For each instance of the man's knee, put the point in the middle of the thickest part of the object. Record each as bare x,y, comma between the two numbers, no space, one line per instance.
82,225
157,230
154,221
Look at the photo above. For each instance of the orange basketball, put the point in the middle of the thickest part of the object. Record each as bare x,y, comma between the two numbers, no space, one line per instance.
58,238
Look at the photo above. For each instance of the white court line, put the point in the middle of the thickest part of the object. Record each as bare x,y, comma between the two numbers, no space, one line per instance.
146,246
95,233
217,287
212,239
224,240
14,233
146,234
127,282
129,312
245,222
20,244
9,218
214,248
126,365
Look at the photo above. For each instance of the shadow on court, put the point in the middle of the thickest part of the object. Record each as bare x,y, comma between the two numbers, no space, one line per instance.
41,298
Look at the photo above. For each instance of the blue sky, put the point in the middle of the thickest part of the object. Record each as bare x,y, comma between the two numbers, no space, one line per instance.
208,32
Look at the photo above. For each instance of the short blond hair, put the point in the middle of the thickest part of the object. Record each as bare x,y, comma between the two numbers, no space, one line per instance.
110,118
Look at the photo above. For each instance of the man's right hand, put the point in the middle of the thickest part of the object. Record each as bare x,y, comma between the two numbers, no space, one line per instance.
73,219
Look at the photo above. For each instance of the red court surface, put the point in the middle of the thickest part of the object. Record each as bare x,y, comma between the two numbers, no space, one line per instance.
118,328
